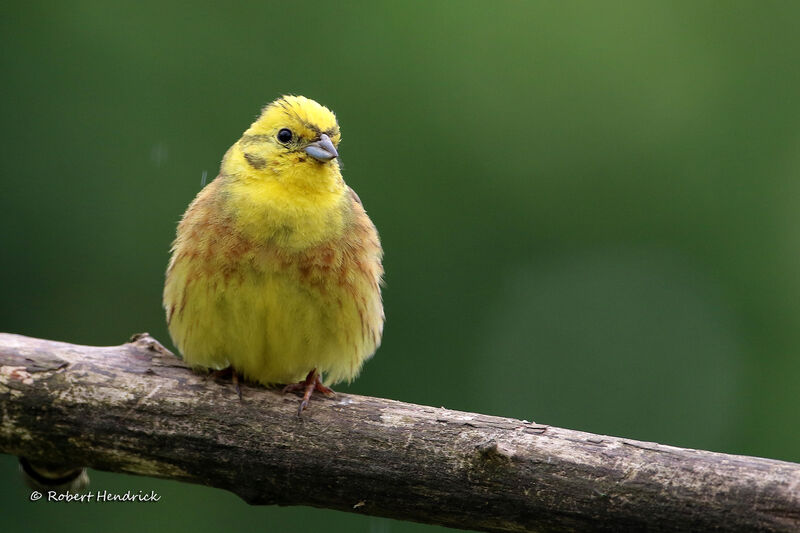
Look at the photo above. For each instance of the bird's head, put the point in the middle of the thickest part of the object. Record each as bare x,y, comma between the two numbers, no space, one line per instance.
294,141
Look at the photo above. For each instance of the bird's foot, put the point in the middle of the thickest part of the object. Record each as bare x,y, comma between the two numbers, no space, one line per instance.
312,383
228,373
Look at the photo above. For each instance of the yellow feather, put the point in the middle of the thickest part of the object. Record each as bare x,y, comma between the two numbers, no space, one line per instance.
276,267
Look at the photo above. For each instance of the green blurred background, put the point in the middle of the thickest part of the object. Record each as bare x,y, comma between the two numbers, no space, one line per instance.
589,210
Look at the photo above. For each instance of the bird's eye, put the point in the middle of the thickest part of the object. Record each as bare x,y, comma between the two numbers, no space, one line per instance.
285,135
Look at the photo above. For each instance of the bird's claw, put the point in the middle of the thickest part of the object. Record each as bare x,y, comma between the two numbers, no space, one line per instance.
308,386
225,373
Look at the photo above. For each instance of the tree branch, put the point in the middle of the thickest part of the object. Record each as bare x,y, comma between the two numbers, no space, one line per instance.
138,409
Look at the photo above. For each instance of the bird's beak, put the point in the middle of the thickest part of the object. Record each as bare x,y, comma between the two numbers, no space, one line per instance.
323,149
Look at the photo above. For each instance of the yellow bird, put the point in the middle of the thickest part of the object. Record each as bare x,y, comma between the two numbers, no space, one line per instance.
276,269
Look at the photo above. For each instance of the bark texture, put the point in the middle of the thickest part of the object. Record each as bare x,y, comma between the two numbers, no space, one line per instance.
138,409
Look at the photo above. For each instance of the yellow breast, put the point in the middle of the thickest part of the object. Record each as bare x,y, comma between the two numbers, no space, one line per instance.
259,301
